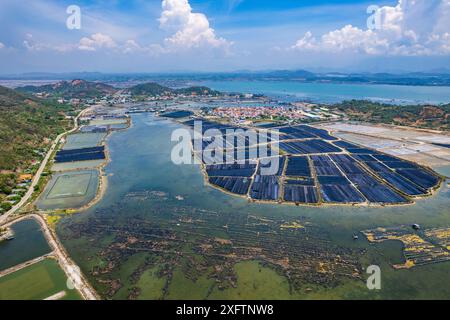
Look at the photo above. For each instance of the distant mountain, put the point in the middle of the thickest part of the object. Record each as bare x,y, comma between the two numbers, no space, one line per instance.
151,89
72,89
198,90
55,76
85,89
154,89
417,78
432,78
291,74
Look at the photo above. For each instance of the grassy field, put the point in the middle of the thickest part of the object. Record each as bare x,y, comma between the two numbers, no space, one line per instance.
183,288
151,285
36,282
255,281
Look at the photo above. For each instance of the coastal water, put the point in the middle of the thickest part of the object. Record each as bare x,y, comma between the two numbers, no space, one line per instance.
145,237
334,92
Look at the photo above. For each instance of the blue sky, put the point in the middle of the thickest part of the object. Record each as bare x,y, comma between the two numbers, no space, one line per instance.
224,35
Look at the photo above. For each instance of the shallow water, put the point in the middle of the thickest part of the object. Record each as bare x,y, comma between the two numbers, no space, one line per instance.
334,92
29,243
141,163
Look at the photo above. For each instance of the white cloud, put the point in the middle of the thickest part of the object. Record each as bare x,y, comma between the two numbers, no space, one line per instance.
411,28
132,46
32,45
189,31
92,43
192,30
96,41
2,45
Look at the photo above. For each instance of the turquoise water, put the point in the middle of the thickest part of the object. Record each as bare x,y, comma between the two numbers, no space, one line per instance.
97,238
29,243
333,92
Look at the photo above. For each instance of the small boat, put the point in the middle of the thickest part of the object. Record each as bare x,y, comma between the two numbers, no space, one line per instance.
8,235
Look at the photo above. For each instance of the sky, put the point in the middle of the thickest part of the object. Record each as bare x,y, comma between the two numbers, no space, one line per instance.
132,36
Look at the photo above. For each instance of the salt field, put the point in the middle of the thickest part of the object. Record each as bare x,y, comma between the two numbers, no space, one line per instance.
83,140
152,206
28,243
421,146
69,190
69,166
316,168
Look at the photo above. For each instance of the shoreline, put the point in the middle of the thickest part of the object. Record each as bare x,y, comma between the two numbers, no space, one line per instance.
103,185
412,200
102,176
68,266
59,253
318,204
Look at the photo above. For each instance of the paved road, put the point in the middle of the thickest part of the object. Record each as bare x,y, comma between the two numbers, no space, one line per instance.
37,176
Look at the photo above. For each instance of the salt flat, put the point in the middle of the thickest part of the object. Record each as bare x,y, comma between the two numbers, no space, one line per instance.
407,143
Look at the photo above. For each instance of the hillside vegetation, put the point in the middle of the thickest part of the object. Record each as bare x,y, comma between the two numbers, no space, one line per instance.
150,88
72,89
420,116
154,89
27,126
199,91
82,89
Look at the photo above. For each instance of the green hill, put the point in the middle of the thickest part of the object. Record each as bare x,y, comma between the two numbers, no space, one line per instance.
154,89
27,126
72,89
149,89
199,91
421,116
82,89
